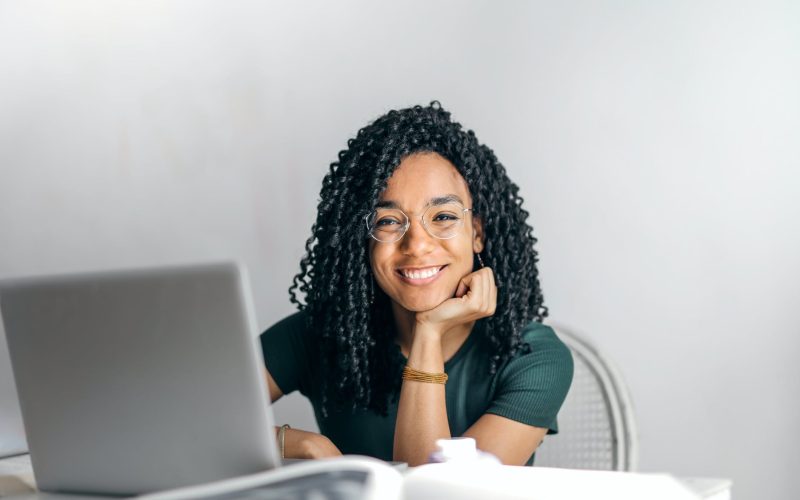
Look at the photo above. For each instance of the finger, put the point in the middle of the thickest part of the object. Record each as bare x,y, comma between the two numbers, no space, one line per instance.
492,291
462,289
493,300
477,287
465,285
475,293
490,272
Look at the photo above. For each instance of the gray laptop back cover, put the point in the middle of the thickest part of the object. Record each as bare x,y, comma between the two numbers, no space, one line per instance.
138,381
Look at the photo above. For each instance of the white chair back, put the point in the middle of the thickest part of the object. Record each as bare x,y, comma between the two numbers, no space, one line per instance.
596,424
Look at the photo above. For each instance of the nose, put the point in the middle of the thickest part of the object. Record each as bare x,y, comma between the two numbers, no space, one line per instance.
416,241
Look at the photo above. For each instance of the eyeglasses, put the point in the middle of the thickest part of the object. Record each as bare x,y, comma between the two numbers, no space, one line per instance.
388,225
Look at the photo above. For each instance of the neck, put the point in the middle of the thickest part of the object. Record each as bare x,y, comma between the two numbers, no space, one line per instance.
405,322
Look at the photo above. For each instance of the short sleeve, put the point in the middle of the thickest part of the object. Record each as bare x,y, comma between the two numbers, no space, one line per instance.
285,346
532,387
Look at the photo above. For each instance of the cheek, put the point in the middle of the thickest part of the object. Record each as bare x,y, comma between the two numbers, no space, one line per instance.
462,257
378,261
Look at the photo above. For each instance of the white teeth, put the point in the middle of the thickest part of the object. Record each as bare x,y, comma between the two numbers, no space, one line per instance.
421,274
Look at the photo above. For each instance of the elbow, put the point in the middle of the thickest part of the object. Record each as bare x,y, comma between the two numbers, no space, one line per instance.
413,457
412,461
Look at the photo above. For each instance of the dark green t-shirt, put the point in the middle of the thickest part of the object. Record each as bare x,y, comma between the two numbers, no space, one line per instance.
529,388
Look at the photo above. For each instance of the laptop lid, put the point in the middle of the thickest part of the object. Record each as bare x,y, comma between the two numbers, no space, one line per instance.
12,433
138,381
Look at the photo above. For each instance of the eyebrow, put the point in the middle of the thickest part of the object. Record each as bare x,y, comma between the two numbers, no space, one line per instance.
438,200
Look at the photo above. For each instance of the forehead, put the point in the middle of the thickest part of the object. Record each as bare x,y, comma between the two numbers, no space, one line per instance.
422,177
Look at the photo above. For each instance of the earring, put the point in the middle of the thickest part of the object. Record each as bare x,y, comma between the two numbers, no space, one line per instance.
371,289
480,261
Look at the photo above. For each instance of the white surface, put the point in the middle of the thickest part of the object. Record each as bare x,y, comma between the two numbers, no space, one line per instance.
443,481
709,489
16,476
457,448
384,482
656,145
460,482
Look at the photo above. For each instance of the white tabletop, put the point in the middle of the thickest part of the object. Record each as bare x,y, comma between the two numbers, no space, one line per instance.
17,481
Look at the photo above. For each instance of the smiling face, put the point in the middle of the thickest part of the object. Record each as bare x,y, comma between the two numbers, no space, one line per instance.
419,271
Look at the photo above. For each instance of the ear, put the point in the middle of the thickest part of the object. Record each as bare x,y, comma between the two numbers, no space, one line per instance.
477,234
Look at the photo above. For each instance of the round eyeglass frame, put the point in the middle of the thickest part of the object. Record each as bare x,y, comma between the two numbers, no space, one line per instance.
422,222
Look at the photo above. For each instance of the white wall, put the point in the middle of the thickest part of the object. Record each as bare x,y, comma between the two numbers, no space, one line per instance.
656,145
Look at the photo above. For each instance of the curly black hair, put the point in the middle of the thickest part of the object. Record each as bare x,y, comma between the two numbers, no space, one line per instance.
350,314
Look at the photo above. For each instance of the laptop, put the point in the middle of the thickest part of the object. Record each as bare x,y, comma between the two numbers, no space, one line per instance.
139,381
12,433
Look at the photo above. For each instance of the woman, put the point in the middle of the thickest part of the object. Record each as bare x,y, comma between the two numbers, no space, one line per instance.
422,307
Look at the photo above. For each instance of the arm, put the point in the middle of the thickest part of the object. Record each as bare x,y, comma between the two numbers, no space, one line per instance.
275,392
298,443
511,441
527,399
422,410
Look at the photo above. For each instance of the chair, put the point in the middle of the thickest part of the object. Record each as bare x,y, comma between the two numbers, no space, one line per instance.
596,424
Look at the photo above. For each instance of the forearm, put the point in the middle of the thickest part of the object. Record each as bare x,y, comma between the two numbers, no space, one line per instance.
304,444
422,410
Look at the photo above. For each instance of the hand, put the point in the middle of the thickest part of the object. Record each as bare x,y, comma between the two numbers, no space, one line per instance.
475,298
303,444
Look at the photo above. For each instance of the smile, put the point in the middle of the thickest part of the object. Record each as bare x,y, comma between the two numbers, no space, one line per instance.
420,275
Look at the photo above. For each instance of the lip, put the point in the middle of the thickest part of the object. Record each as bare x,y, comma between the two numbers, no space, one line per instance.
419,281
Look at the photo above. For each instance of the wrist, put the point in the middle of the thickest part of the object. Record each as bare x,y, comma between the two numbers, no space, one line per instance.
317,446
427,332
425,353
308,448
282,430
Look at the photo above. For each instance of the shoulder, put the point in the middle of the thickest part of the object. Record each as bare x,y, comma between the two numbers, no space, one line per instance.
288,353
543,338
532,385
293,324
547,362
289,336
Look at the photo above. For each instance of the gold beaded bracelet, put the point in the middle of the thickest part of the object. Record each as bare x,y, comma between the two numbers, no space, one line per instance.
420,376
282,438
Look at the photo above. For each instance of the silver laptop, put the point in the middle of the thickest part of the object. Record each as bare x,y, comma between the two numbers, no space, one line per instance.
137,381
12,433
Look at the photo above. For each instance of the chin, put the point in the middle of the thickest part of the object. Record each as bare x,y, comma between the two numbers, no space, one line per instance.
415,307
421,304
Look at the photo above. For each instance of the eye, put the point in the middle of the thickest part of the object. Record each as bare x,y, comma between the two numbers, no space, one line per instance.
444,216
386,221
